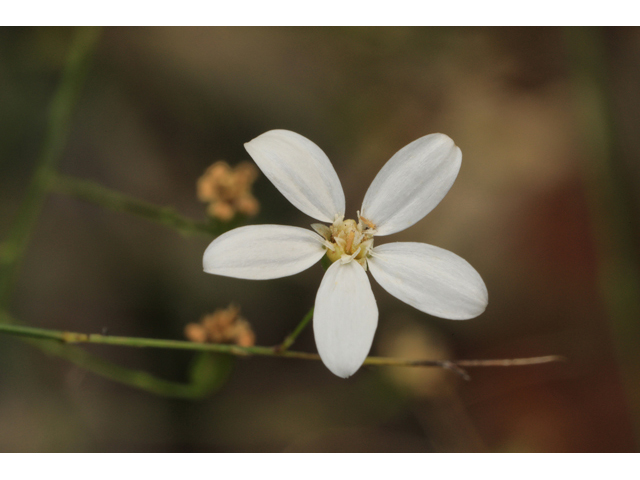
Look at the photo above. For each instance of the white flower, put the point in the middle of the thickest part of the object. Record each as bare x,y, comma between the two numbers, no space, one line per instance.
409,186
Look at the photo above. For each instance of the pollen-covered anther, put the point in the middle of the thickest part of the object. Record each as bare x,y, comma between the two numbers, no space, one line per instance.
350,241
368,223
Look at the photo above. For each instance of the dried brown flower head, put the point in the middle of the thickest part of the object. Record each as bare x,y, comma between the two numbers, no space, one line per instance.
223,326
228,190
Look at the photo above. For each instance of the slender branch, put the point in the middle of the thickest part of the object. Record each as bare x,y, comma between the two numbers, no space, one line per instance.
14,246
95,193
511,362
58,124
288,341
133,378
74,338
40,338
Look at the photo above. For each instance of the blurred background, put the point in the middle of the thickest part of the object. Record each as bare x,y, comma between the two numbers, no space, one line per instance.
545,208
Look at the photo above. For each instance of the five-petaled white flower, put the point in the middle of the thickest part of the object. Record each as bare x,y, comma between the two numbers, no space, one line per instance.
409,186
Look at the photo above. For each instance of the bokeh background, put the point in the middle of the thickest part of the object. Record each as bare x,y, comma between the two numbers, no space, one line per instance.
545,208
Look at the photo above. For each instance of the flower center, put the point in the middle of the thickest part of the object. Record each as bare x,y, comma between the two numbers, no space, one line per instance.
347,240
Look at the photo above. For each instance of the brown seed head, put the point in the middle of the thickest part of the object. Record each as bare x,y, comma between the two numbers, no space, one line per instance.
222,326
228,190
195,333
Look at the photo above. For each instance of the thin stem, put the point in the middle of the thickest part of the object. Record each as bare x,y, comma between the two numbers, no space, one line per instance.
133,378
288,341
95,193
73,337
14,246
40,338
58,124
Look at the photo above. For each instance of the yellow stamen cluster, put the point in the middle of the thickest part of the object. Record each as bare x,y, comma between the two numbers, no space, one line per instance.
228,190
347,240
223,326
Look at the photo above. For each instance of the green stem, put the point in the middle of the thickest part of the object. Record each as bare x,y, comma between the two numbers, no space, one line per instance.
73,337
58,124
95,193
38,338
13,248
133,378
288,341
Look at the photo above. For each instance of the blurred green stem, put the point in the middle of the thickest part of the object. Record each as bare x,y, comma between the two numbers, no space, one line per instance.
207,372
40,339
95,193
14,246
133,378
619,266
288,341
73,337
57,130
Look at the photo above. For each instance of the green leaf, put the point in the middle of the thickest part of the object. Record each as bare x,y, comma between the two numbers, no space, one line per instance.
209,372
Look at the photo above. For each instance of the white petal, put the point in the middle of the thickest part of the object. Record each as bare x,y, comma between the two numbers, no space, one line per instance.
301,171
261,252
430,279
412,183
345,318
